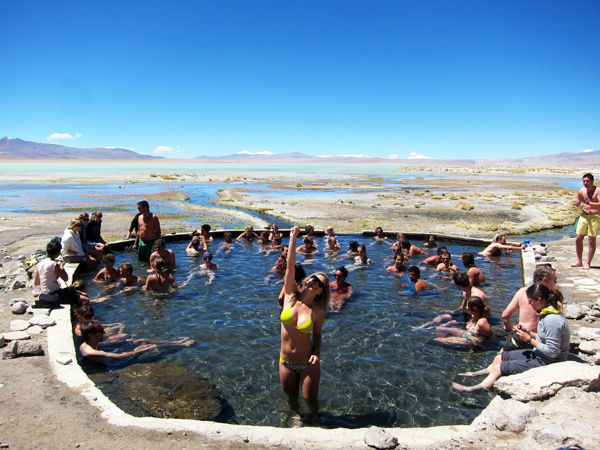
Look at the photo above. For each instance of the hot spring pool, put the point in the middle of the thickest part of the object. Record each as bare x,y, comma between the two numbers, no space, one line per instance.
375,370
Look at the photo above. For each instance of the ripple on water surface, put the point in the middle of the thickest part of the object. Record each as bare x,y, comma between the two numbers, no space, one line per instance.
375,370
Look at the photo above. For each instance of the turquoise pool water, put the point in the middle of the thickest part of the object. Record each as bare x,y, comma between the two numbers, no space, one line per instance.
375,370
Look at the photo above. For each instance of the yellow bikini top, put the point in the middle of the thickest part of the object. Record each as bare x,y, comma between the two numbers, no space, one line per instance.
286,319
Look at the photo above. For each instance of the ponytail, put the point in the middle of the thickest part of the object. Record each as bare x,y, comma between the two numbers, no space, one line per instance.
552,297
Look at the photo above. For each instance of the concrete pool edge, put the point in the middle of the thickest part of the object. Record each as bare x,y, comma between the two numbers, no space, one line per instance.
61,345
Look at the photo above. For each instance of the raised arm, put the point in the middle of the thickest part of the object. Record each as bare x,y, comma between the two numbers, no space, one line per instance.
290,272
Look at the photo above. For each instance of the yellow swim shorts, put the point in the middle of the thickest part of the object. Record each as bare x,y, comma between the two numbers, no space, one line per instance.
588,225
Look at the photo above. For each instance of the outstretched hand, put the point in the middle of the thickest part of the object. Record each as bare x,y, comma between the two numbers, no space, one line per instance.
295,231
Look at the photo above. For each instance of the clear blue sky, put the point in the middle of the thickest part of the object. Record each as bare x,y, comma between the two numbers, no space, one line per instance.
445,79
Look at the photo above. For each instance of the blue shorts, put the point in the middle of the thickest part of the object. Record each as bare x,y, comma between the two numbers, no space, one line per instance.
519,361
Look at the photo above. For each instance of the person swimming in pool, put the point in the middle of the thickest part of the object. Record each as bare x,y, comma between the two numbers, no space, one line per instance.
303,313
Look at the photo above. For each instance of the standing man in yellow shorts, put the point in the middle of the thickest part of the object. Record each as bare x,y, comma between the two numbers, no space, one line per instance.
589,221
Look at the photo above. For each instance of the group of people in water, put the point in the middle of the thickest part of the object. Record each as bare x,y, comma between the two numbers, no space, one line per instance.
541,337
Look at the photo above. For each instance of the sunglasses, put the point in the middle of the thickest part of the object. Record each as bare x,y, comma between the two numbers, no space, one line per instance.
318,281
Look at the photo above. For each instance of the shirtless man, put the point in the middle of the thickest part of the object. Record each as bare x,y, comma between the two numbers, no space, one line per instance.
399,265
208,265
308,248
528,318
435,260
414,273
379,236
128,277
193,248
148,232
168,256
589,220
203,232
499,244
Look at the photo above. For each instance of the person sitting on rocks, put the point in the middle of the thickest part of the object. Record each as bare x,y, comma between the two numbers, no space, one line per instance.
72,250
551,342
194,249
168,256
109,273
47,273
528,318
499,244
445,266
161,280
398,265
128,277
203,232
248,234
90,247
308,248
92,333
476,276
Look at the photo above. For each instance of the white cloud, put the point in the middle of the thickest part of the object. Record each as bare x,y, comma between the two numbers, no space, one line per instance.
587,151
246,152
354,156
415,155
77,135
163,149
324,156
57,136
394,156
109,147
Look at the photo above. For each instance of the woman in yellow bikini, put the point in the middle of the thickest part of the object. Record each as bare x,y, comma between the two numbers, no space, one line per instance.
303,312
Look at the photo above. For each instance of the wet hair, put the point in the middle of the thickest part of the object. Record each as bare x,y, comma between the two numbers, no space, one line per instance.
264,234
468,260
108,257
378,228
126,266
74,223
399,255
415,269
400,236
227,234
461,279
431,236
588,175
248,228
331,239
477,304
498,237
405,243
323,298
308,240
353,246
53,248
195,240
88,328
284,247
83,311
160,243
144,204
206,227
552,297
441,250
343,270
542,272
159,263
299,274
309,228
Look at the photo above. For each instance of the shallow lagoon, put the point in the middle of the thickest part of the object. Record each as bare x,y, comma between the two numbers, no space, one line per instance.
376,371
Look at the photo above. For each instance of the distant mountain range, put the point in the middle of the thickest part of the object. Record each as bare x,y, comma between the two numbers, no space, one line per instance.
14,148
